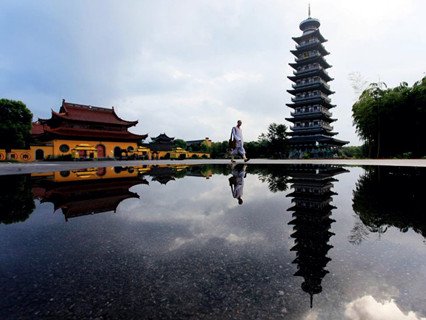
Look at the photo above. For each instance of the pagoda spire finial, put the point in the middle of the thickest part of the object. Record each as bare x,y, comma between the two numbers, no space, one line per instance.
309,10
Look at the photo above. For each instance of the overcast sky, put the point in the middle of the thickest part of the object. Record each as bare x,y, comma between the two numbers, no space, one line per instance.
191,69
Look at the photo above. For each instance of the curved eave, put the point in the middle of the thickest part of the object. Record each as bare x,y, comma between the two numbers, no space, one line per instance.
315,33
310,88
314,138
312,46
127,124
130,123
324,76
319,59
308,132
159,140
309,102
311,116
67,108
313,100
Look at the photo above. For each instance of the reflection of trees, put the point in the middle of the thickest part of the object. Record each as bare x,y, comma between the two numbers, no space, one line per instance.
359,232
311,222
275,176
391,196
16,199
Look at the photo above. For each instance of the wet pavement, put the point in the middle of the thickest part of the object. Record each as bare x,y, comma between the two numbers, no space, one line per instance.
175,242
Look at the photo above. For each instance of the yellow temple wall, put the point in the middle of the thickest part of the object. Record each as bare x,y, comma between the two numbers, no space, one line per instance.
21,155
54,151
72,144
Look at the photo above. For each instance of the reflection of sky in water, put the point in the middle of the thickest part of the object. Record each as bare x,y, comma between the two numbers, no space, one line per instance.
188,250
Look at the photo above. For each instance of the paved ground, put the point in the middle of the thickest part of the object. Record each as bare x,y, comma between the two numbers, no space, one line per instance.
18,168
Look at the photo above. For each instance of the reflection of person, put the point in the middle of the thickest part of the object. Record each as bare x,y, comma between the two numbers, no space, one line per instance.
237,134
237,182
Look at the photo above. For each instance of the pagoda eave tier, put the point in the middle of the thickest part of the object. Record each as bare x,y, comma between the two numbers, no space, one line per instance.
315,33
315,86
310,102
312,131
311,73
308,47
314,139
310,60
73,133
314,115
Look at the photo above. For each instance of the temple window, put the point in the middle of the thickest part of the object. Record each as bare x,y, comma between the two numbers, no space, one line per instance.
64,148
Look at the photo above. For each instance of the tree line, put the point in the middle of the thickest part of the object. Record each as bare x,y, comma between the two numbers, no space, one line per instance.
391,120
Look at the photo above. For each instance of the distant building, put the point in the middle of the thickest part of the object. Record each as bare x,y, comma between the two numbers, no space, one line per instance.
312,133
206,141
162,143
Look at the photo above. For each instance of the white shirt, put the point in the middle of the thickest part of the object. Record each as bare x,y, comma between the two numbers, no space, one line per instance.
237,133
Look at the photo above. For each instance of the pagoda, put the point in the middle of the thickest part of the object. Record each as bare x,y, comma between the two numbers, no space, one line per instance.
311,131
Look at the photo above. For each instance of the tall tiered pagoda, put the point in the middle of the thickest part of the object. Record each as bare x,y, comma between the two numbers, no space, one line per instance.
312,133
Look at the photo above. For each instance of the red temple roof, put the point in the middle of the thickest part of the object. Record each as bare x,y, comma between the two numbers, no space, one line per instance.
37,128
94,134
87,113
99,124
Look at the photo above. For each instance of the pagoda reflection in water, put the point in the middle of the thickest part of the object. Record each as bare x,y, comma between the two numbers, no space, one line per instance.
312,197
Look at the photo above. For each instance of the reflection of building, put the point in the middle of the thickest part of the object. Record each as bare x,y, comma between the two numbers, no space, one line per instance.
95,190
88,191
312,196
162,174
311,118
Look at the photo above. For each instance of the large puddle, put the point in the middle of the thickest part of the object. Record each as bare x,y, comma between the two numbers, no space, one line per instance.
214,242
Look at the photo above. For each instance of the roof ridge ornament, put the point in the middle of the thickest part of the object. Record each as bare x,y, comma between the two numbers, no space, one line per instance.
309,10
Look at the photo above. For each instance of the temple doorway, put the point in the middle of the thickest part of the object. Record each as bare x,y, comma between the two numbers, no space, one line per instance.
39,154
100,148
117,152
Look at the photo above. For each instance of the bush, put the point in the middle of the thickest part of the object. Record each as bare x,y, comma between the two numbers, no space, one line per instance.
63,157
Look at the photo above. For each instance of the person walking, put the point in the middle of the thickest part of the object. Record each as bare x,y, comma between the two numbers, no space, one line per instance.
237,135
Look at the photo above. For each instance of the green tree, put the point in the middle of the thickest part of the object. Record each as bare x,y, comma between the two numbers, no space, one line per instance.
180,143
390,121
274,142
15,124
356,152
218,149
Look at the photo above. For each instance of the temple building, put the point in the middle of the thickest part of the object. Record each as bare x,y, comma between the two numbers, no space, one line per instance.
312,133
83,131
